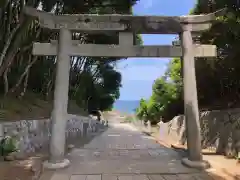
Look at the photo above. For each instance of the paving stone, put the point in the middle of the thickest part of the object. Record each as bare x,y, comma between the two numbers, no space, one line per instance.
133,177
136,156
93,177
114,154
109,177
186,177
123,152
171,177
155,177
78,177
58,176
153,153
202,176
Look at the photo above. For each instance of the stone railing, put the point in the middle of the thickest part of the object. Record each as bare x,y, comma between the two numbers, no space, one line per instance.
220,130
33,135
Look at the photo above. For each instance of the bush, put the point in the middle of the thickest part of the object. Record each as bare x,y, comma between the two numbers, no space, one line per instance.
8,145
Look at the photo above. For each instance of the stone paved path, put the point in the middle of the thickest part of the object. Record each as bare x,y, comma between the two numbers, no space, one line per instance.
123,153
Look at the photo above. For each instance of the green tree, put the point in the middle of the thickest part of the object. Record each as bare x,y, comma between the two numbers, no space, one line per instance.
218,86
20,72
166,99
141,111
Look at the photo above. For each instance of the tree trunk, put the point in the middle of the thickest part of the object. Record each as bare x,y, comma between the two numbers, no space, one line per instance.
15,46
25,85
25,73
9,60
6,85
8,43
48,90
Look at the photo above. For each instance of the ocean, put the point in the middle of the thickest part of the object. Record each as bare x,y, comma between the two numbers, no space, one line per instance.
126,106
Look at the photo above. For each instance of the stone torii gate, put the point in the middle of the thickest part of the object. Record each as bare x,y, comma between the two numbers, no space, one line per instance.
126,26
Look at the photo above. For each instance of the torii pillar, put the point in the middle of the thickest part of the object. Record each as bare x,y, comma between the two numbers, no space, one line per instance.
59,114
191,109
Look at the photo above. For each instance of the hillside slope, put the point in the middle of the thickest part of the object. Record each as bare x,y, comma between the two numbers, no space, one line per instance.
30,107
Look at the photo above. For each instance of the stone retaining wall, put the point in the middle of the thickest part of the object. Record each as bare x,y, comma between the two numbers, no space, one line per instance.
220,130
32,135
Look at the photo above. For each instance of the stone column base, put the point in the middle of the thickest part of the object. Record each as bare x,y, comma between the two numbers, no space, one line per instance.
196,164
48,165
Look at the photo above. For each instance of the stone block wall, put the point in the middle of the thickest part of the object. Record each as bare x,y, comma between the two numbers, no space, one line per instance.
220,130
33,135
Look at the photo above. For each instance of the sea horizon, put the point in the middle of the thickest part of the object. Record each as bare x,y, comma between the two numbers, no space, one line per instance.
126,106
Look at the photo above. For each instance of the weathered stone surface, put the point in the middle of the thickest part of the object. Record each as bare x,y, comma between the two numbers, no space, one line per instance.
96,50
202,165
60,105
126,38
117,22
191,109
58,165
33,135
215,129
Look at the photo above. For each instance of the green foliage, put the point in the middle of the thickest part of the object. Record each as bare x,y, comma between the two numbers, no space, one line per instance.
8,145
141,111
217,78
94,82
166,99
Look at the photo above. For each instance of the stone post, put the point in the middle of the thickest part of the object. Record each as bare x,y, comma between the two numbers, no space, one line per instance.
59,119
190,99
149,127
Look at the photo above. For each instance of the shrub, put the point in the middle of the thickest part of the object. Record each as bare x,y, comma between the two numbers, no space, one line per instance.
8,145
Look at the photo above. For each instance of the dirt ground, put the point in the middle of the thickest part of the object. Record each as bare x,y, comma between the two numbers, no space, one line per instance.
29,169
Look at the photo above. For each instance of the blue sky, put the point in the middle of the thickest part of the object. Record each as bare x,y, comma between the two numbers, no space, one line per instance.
138,74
